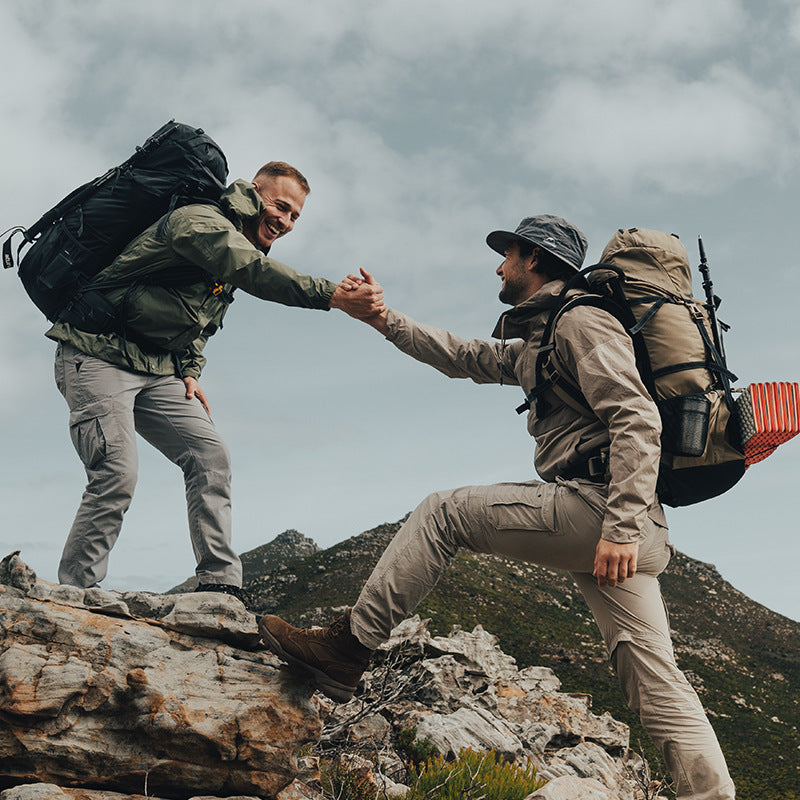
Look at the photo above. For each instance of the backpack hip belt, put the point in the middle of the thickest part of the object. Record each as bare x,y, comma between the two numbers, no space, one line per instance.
594,468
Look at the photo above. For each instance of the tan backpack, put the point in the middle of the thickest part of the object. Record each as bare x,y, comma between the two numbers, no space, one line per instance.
644,280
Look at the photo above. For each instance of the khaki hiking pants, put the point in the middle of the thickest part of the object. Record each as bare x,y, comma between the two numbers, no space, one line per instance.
108,407
558,525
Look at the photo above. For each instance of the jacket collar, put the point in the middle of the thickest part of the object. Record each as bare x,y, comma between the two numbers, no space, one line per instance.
241,202
517,322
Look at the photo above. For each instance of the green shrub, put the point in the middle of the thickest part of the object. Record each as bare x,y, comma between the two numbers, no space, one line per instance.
414,751
342,783
472,776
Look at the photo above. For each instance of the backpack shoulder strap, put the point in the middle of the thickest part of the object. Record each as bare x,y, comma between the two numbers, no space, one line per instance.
551,374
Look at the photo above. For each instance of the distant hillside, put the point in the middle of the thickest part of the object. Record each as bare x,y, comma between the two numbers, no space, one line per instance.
743,659
265,558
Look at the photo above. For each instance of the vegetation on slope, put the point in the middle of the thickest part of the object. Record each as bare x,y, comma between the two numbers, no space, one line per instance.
743,659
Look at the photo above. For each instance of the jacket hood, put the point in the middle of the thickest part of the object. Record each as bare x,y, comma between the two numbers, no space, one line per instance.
515,323
241,201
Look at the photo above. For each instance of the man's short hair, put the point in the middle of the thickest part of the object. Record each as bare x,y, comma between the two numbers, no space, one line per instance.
552,267
274,169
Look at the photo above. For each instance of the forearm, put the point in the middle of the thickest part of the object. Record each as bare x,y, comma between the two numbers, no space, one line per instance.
379,322
452,355
210,242
272,280
192,360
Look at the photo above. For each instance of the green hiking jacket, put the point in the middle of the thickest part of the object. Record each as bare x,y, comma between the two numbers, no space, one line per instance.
162,329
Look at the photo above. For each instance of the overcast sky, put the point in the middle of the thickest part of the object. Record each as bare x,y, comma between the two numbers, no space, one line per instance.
421,126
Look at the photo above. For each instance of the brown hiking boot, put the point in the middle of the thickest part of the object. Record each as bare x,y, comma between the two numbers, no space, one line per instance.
333,656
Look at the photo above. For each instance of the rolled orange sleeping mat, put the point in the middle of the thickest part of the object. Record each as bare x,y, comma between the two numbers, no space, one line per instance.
769,415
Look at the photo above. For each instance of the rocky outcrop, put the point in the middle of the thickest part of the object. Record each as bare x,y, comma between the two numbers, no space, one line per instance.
461,691
115,695
139,693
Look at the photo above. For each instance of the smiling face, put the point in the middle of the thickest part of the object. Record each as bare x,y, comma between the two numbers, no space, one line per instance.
284,199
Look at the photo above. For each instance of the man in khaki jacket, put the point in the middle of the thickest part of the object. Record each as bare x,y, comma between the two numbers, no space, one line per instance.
595,514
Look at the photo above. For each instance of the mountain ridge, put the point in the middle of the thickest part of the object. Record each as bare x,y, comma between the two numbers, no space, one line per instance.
743,658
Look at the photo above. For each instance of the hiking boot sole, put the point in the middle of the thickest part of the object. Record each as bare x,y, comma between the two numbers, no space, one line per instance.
339,692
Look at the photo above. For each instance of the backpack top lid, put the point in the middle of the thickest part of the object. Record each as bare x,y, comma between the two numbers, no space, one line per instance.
651,256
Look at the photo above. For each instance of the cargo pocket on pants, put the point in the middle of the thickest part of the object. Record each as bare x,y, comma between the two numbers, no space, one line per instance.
86,429
524,507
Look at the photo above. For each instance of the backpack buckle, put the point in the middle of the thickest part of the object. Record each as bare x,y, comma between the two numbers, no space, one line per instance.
694,311
597,465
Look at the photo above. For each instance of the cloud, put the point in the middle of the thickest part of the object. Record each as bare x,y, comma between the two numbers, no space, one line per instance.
575,33
656,130
421,126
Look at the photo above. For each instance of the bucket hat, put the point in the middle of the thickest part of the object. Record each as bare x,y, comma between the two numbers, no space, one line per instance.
549,232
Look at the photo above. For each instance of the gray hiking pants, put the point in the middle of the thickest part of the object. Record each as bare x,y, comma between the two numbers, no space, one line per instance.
108,407
558,525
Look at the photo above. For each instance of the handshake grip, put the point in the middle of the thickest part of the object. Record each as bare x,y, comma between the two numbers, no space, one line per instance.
359,296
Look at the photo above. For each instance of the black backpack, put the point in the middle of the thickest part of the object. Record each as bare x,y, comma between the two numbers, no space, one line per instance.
91,226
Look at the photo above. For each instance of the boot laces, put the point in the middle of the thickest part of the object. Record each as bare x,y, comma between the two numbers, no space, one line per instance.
338,627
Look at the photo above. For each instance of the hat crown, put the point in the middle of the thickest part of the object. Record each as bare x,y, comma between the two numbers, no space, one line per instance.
554,234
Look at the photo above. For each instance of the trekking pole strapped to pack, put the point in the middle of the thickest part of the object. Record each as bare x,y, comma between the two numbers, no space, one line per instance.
88,229
712,304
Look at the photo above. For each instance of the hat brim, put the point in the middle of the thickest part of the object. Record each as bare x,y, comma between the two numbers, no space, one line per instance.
500,240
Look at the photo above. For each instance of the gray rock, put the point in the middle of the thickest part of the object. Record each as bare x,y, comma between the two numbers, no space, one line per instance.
589,760
445,682
58,593
89,697
567,718
297,791
372,728
568,787
32,791
16,573
135,692
538,679
106,602
148,604
215,615
469,727
479,651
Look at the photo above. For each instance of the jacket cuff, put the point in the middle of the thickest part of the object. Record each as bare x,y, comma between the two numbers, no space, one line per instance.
395,324
326,294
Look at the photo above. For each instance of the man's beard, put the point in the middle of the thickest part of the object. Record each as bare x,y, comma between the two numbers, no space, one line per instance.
510,293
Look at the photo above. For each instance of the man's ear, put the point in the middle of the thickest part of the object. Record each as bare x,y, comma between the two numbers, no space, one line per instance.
532,261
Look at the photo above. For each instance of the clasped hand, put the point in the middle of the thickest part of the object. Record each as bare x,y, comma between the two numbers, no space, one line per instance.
359,296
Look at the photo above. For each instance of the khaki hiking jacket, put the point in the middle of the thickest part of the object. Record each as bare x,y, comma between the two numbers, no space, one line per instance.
164,328
598,353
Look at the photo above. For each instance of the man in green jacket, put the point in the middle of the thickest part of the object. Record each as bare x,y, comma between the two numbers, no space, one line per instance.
170,289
